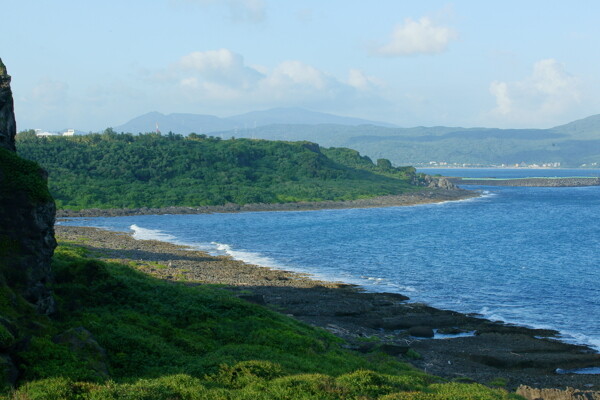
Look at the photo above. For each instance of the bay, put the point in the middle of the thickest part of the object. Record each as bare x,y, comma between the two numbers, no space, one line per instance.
523,255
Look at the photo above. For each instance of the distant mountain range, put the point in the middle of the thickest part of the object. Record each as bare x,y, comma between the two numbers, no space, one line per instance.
575,144
205,124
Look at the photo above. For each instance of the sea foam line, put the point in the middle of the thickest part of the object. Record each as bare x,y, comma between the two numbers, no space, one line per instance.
219,249
254,258
151,234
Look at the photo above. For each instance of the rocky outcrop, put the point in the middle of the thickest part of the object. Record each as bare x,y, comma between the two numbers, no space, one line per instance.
27,214
8,127
435,182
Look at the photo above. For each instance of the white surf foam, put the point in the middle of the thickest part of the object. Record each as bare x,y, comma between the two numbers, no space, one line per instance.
580,338
437,335
248,257
483,194
140,233
150,234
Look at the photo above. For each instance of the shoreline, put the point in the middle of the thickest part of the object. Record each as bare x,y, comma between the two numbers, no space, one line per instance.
365,320
426,196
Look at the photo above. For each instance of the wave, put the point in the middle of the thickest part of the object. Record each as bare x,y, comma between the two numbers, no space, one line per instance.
246,256
375,284
484,194
565,336
151,234
140,233
369,282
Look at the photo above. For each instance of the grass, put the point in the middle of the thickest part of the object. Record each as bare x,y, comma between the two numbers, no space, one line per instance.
121,334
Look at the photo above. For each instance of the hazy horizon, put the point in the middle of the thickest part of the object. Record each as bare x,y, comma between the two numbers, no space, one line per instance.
460,63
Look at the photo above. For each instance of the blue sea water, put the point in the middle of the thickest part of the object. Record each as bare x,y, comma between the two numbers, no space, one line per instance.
523,255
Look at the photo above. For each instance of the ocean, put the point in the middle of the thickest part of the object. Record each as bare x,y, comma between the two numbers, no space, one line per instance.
529,256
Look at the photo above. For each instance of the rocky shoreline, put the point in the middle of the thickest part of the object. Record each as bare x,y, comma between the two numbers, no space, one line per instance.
425,196
530,182
489,351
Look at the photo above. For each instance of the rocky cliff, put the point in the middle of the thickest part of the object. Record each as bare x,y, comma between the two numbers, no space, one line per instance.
8,127
27,214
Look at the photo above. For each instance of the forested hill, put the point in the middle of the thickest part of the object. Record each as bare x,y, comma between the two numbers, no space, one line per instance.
112,170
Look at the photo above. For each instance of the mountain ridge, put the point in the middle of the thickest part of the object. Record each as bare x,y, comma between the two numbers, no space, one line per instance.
575,144
185,123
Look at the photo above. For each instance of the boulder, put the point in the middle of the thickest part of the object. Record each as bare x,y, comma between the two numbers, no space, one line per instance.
421,331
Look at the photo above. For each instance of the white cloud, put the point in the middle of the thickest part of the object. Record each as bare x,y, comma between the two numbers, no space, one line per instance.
503,101
222,77
220,66
359,80
296,73
539,98
417,37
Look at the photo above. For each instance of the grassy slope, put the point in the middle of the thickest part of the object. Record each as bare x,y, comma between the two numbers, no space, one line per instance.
173,341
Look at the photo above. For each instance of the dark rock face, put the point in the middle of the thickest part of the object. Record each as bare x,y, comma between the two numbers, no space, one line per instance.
27,214
8,127
421,331
29,227
435,182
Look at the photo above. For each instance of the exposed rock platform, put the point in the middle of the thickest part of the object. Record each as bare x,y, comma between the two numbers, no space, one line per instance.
531,182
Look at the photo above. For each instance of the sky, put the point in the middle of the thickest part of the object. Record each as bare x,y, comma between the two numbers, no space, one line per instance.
89,65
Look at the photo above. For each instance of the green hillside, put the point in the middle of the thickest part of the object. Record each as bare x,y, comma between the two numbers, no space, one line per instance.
120,334
112,170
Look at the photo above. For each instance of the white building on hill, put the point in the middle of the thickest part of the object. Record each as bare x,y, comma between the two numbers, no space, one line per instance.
40,133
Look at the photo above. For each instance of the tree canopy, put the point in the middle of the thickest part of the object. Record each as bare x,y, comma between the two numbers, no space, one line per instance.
112,170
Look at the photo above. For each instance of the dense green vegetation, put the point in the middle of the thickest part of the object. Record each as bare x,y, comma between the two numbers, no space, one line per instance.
17,174
112,170
120,334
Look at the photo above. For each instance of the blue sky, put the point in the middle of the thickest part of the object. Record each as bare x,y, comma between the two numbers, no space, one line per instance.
514,64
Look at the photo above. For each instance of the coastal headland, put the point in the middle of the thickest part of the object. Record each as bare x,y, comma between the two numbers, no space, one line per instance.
387,322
